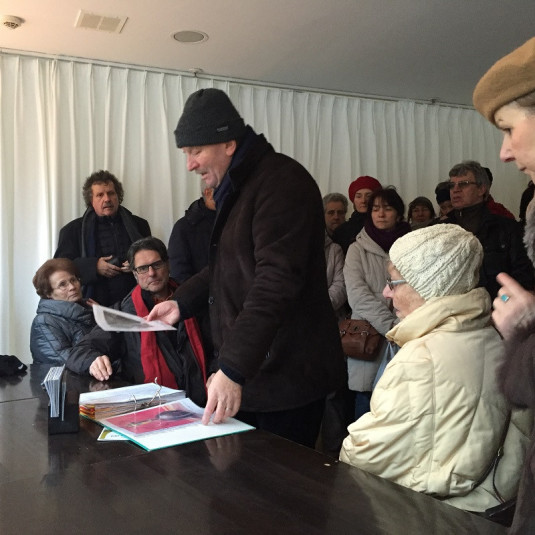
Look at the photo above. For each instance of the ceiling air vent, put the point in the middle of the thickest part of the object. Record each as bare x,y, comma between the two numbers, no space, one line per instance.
92,21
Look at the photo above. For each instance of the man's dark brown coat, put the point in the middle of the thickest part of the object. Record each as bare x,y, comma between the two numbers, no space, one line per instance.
271,318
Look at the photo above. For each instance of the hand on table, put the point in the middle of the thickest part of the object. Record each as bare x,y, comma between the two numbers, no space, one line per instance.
224,399
209,380
101,368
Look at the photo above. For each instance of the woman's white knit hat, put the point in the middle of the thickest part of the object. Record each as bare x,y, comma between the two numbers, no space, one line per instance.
438,260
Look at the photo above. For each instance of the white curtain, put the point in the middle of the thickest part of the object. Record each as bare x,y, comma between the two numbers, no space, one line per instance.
61,120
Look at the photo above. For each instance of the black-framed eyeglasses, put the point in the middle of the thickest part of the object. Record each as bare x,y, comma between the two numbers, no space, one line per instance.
64,284
140,270
462,184
392,284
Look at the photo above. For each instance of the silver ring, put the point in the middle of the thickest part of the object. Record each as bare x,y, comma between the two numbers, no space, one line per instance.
505,298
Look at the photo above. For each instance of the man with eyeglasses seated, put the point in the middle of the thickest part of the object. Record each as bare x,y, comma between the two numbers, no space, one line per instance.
437,418
500,236
177,359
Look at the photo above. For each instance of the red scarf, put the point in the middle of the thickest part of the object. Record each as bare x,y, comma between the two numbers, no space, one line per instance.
194,335
152,360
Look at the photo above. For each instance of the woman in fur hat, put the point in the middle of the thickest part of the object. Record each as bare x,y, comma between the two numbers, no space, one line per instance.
506,97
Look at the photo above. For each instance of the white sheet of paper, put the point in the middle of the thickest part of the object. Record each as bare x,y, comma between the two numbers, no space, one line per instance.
109,319
111,436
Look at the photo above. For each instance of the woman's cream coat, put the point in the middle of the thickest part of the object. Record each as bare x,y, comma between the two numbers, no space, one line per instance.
437,417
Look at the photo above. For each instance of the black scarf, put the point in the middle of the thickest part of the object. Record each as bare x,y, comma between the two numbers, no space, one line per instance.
244,144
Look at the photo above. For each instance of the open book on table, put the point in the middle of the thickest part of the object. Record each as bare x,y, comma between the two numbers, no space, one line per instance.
107,403
162,424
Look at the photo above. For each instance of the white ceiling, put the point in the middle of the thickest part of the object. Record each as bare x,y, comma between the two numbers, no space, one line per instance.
413,49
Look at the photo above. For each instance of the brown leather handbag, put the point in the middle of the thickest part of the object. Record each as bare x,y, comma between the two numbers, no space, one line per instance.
359,339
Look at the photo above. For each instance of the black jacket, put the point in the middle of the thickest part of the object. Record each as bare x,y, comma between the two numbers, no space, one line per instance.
517,381
124,348
57,327
346,233
503,249
77,242
190,241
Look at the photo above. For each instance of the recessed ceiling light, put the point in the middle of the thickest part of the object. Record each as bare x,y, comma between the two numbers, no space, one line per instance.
190,37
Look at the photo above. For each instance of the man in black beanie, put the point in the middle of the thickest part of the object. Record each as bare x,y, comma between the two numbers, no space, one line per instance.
273,328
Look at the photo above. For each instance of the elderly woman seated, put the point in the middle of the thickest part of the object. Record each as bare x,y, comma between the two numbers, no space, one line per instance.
63,317
437,417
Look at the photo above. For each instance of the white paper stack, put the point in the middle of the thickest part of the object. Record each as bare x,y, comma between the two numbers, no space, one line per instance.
52,384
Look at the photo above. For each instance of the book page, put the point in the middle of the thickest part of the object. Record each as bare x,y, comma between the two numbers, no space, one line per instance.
109,319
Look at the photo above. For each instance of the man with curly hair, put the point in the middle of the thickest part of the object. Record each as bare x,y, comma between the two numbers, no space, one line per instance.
98,241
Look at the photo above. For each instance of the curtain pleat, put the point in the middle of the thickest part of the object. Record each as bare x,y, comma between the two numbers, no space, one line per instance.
61,120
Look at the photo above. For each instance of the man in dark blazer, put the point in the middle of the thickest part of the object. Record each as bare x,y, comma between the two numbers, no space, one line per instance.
273,328
98,241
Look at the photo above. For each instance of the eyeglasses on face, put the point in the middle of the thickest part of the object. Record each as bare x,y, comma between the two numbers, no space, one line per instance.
462,184
140,270
64,284
392,284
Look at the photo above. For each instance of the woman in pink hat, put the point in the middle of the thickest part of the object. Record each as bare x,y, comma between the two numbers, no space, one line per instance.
359,193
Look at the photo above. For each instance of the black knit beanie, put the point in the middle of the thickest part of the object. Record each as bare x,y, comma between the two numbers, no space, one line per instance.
209,117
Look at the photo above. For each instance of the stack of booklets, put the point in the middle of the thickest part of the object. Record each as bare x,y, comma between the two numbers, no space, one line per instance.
55,388
153,417
63,406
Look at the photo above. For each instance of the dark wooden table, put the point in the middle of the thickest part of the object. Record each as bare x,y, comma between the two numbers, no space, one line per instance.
251,482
